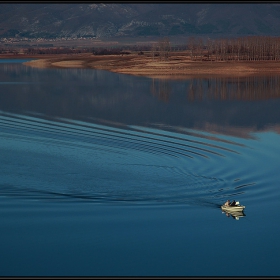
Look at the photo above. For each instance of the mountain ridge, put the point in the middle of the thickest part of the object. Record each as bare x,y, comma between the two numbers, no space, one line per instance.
114,20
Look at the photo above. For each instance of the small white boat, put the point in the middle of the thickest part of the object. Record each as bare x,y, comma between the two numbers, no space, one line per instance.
235,208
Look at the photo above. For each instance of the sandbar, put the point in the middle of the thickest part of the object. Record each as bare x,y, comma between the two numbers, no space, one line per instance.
175,67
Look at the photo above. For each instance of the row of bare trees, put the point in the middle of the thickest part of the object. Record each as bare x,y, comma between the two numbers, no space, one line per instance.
162,49
61,50
242,48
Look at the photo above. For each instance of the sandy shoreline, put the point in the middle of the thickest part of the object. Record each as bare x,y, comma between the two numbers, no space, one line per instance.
177,67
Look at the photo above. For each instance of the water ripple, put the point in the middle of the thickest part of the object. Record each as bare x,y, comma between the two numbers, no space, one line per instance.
69,159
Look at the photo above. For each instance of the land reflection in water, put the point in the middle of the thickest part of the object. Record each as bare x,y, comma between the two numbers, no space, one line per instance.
231,106
240,88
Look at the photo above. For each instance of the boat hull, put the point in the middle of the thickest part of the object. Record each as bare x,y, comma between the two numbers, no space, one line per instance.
233,208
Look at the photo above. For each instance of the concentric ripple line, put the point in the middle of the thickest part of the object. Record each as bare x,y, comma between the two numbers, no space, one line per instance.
166,134
137,139
109,133
245,185
178,183
135,132
9,190
99,132
135,136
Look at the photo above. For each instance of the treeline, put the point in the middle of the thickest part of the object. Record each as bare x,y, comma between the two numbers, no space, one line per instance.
55,50
162,49
250,48
244,48
112,51
65,50
95,51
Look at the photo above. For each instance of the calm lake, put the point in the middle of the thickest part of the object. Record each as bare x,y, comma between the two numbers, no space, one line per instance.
103,174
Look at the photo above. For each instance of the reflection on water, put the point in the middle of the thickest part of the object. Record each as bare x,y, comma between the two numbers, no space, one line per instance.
161,89
248,88
104,97
251,88
205,105
234,215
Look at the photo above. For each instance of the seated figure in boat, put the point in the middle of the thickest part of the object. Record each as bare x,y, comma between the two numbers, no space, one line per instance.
227,203
233,203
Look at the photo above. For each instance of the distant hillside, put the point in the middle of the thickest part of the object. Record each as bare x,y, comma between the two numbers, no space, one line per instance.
133,20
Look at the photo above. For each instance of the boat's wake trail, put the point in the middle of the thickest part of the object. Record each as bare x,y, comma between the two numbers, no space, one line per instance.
66,159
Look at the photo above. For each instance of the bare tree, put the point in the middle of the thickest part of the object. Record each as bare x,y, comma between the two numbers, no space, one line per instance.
190,44
166,48
163,48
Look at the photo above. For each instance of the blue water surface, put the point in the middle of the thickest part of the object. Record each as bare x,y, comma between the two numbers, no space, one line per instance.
103,174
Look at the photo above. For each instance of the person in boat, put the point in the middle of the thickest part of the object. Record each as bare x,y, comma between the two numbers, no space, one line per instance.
227,203
233,203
